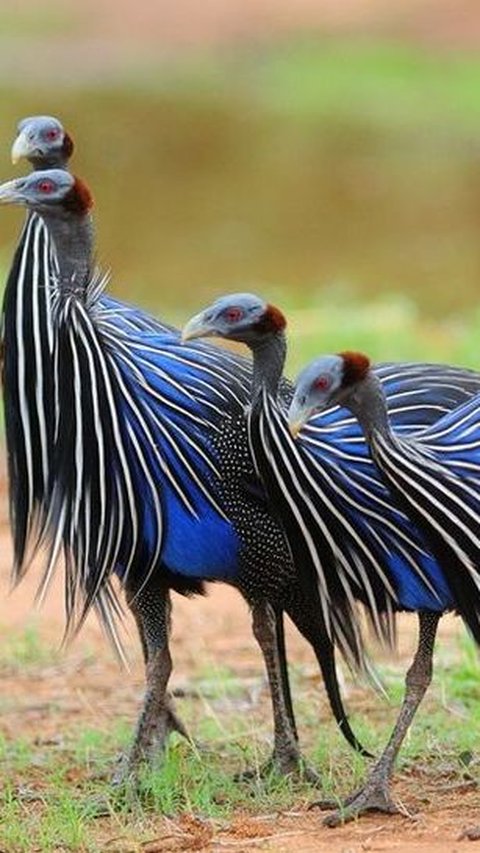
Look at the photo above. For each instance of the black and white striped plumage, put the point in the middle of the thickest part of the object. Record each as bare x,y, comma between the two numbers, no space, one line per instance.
434,477
343,530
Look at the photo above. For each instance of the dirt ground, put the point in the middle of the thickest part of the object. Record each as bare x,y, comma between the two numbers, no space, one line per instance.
218,624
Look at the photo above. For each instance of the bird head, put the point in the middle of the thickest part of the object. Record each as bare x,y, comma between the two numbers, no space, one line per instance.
42,141
241,317
325,382
53,190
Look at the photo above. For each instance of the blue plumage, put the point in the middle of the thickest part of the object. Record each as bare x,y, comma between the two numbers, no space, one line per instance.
198,539
335,439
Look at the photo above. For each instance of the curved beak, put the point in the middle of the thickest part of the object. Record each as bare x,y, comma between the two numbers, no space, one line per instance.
10,192
22,147
298,415
197,327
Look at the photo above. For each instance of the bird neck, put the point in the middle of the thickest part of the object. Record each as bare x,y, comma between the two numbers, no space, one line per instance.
268,362
367,402
73,236
55,161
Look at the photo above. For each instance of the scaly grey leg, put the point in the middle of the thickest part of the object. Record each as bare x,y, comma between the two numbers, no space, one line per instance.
286,757
282,656
151,609
175,724
375,793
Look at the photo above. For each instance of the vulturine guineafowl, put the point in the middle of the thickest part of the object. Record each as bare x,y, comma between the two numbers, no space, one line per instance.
27,333
434,478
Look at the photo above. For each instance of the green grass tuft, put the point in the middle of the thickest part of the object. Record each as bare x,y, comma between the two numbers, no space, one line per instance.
27,649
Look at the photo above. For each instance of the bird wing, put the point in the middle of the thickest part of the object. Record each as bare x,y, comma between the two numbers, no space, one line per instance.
334,448
334,501
337,562
454,440
445,507
109,432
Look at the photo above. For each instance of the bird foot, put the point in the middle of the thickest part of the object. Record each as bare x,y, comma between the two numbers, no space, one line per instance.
149,747
126,770
330,803
283,764
174,723
373,797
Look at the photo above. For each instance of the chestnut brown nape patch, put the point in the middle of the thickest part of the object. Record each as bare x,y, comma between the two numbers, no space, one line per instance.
272,321
79,199
68,146
355,367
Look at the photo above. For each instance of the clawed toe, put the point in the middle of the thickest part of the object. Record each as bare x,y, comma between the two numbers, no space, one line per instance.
147,752
323,805
126,772
328,804
129,765
367,800
310,775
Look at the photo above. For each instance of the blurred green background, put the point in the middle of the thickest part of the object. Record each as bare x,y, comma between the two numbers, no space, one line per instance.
332,165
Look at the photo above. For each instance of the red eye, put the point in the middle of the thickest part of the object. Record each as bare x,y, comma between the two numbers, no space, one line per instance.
322,383
233,315
51,134
46,187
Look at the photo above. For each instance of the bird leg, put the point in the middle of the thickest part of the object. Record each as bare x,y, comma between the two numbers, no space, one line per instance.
286,757
282,657
174,722
151,609
374,795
